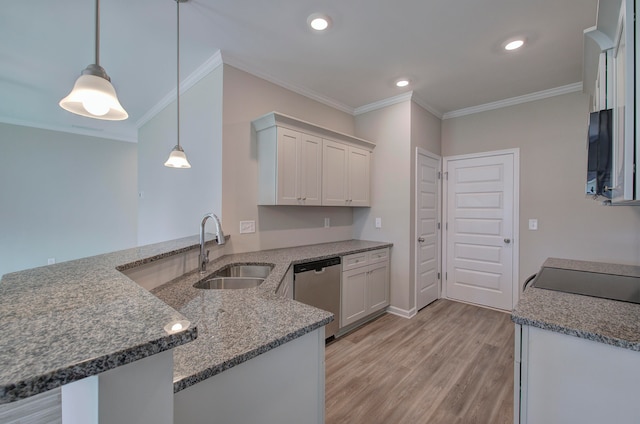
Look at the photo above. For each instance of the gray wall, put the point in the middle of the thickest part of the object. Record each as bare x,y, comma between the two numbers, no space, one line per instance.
175,200
389,128
397,130
64,196
551,135
247,97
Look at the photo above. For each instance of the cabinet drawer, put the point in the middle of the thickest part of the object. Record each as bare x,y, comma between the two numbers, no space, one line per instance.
381,255
355,260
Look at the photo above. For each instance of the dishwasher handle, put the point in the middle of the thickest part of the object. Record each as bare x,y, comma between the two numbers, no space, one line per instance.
317,266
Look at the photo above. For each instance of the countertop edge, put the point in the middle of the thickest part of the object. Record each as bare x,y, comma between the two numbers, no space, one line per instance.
186,382
77,371
587,335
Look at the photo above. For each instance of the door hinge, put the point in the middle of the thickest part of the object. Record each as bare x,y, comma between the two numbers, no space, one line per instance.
446,226
438,276
438,225
439,175
446,276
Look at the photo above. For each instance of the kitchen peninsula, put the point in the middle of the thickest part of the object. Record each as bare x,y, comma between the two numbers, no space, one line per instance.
577,357
85,318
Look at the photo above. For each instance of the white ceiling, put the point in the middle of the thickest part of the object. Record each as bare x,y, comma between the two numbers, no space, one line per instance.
451,51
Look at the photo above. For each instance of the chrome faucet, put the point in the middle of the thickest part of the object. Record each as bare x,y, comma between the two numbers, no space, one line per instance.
204,256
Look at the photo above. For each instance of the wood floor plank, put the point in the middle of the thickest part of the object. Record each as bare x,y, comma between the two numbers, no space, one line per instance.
451,363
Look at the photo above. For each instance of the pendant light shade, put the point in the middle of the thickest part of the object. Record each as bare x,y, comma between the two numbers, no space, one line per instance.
93,95
177,157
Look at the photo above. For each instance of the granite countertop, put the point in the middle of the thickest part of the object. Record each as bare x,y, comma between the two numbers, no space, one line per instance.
237,325
71,320
602,320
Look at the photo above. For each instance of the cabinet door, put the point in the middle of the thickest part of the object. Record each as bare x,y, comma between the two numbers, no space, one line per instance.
287,167
359,181
310,166
354,296
377,287
335,158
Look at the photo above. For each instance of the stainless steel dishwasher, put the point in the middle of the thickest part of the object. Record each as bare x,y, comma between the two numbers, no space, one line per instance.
318,284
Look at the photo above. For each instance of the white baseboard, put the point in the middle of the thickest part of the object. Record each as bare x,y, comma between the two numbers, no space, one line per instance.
402,312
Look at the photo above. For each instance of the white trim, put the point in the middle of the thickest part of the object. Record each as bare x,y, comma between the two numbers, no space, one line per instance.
236,63
565,89
202,71
424,152
423,104
402,312
409,96
515,239
129,136
404,97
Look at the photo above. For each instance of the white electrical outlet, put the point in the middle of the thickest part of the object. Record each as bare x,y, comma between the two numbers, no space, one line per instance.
51,261
327,222
378,222
533,224
247,227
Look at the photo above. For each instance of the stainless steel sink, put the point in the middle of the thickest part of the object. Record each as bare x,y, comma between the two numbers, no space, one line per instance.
229,283
239,270
235,276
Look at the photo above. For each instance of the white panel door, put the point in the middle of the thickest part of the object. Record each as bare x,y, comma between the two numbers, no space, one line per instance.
288,162
480,228
311,169
359,181
354,295
335,158
428,235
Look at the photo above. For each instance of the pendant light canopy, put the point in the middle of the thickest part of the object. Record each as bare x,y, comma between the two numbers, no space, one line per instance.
93,95
177,157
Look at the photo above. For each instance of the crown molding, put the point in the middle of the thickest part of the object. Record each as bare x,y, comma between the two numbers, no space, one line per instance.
565,89
232,61
383,103
420,102
201,71
128,135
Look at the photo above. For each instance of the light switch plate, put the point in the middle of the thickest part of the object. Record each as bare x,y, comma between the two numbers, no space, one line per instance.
51,261
533,224
378,222
247,227
327,222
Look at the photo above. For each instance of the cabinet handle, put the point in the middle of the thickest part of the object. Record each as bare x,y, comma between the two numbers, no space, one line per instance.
304,198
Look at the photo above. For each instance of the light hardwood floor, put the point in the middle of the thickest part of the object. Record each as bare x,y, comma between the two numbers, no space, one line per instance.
451,363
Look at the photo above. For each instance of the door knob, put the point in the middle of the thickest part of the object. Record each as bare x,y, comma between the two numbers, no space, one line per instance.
420,239
507,240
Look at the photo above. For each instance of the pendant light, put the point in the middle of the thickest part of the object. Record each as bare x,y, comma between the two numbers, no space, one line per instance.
177,158
93,95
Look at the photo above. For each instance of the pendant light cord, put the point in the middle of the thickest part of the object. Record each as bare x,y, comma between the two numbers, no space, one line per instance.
178,70
98,32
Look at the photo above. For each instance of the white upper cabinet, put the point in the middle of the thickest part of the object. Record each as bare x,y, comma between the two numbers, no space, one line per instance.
610,63
346,180
303,164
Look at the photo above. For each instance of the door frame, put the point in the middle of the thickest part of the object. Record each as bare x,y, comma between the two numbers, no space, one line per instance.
515,239
439,199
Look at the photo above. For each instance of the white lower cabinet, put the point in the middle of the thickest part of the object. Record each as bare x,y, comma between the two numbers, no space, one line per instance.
365,285
562,379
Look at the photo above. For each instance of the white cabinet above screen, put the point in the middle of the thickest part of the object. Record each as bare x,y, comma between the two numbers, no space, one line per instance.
303,164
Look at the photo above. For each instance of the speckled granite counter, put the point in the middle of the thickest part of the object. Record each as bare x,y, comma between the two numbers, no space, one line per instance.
237,325
71,320
602,320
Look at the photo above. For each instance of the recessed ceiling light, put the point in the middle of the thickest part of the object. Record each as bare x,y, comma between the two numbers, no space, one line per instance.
402,83
319,21
514,45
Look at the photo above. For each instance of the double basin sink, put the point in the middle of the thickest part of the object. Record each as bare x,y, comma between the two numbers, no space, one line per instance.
235,276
